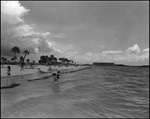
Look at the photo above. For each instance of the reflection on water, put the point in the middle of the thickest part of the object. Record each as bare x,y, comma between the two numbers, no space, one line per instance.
103,92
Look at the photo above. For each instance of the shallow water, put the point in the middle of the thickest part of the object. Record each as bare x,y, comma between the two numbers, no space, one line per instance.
96,92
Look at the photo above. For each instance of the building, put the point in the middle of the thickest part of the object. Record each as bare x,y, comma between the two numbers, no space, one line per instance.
103,64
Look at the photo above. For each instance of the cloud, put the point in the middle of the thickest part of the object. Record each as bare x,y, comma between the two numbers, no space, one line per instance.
70,54
134,49
65,47
112,52
131,55
61,35
15,32
23,30
146,50
53,47
12,12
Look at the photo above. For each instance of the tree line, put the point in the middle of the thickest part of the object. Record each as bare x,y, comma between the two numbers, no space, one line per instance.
44,59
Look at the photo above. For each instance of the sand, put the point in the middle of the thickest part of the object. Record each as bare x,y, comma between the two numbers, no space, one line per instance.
15,70
26,75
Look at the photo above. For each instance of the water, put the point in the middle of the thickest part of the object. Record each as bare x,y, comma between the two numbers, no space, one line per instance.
105,92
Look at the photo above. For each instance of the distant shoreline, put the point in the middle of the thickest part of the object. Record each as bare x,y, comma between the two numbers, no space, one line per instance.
133,65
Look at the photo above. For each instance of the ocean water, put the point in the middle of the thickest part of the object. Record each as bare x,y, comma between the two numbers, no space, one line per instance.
103,92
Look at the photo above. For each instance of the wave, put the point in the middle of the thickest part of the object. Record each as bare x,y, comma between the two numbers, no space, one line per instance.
95,92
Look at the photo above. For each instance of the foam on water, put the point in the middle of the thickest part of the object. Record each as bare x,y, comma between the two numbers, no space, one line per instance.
97,92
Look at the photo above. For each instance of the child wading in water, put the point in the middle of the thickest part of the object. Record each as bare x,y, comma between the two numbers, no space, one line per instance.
56,75
8,74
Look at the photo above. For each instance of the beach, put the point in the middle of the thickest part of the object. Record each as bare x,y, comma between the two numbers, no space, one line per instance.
15,69
74,59
31,74
29,82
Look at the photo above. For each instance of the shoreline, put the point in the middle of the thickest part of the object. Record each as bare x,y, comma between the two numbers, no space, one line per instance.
46,75
15,70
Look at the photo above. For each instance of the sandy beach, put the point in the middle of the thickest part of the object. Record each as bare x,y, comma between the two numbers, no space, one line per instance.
30,74
15,69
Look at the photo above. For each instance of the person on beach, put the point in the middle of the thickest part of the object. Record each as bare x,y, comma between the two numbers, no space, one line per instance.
49,69
8,74
2,62
22,65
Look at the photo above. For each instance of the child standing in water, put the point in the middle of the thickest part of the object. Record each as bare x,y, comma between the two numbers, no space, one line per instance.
8,74
56,75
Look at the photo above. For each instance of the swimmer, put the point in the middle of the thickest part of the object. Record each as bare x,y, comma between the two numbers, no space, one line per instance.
8,74
56,75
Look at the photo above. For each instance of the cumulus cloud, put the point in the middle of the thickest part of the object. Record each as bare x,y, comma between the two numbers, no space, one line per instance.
12,12
134,49
112,52
53,47
15,32
132,54
146,50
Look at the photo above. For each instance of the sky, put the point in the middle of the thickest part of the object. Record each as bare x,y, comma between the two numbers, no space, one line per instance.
83,31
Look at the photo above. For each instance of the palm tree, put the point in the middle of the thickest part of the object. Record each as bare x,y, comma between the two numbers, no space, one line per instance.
26,52
15,50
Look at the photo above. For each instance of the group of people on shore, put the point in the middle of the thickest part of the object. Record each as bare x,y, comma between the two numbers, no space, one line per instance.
55,74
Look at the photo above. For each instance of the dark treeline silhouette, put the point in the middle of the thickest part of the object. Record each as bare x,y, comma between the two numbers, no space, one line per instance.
44,59
52,60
